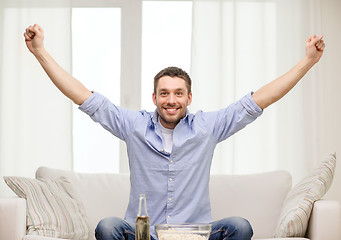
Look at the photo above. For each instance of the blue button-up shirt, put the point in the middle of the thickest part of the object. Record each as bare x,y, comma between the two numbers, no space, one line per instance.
176,184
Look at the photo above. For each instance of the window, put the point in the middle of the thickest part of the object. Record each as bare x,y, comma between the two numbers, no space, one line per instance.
107,57
166,41
96,63
115,34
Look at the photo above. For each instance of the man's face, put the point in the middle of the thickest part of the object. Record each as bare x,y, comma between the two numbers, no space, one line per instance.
171,100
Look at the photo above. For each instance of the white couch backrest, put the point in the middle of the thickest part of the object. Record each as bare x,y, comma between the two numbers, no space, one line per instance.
257,197
103,195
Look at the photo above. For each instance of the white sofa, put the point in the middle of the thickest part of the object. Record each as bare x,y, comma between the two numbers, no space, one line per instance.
258,197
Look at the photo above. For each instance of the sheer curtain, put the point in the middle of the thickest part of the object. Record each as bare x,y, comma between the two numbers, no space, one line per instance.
237,47
35,119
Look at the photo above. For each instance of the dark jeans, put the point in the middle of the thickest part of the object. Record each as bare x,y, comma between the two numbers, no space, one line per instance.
231,228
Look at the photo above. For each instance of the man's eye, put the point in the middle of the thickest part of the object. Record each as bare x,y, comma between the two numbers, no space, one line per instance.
179,94
163,94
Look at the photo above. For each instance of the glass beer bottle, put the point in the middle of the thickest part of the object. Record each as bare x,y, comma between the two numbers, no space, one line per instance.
142,228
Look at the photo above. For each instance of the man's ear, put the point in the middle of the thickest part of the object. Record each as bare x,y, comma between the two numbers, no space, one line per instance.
189,99
154,99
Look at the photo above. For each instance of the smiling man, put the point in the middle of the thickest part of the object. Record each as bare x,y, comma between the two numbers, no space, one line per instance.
172,95
170,150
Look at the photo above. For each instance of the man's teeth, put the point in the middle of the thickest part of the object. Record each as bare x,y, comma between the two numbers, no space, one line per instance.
171,109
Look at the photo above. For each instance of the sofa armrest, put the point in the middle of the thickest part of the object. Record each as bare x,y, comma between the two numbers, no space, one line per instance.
12,218
325,221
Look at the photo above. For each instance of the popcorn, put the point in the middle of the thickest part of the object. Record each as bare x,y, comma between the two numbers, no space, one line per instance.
172,235
183,231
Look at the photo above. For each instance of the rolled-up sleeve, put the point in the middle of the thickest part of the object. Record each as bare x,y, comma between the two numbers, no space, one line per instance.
112,118
251,106
235,117
92,103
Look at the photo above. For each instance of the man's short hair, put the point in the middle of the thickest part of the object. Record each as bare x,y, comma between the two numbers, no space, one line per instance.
173,72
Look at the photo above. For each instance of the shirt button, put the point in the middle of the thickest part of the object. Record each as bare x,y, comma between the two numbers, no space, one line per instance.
168,216
171,179
170,199
171,161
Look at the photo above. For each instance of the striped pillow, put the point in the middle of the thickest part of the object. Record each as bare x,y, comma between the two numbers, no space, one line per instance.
53,207
299,202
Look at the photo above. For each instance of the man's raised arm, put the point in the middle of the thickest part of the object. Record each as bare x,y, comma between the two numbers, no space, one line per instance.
67,84
276,89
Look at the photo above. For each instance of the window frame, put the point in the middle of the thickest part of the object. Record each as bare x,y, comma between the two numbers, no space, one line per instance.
131,55
131,27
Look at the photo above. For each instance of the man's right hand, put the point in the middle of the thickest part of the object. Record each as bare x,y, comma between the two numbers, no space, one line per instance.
34,37
67,84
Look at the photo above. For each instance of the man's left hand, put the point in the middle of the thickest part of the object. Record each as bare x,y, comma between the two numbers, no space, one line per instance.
314,48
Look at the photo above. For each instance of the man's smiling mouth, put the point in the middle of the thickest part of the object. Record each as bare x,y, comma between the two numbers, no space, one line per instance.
171,110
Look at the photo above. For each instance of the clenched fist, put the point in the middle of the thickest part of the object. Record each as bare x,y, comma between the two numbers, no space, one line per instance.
34,37
314,48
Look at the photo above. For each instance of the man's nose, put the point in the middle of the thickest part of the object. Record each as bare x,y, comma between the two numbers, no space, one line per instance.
171,98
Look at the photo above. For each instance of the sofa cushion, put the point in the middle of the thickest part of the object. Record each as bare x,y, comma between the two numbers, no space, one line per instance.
103,195
299,202
53,207
257,197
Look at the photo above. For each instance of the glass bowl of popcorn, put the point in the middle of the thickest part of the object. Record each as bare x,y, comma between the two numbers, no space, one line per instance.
183,231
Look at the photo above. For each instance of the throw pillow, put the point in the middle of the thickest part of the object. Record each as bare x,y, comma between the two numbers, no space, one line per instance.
53,207
300,200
